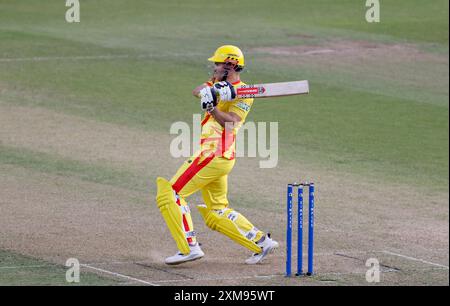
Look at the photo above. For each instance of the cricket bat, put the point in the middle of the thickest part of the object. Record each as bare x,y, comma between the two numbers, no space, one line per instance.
272,89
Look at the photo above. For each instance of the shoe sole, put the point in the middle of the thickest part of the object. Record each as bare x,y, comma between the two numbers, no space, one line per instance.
184,261
264,257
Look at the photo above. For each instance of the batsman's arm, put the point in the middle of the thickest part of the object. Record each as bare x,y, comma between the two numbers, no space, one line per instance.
224,117
196,91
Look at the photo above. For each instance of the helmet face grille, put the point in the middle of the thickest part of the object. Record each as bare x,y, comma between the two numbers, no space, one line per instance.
231,59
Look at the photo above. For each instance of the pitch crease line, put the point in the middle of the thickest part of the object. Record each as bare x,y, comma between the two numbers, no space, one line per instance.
415,259
119,275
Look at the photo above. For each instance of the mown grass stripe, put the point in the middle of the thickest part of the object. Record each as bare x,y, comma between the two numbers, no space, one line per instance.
53,164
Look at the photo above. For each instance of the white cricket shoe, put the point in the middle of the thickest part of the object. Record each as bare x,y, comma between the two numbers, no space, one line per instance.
268,245
179,258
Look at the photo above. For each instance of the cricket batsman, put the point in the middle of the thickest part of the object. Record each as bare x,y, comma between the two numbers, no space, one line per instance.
207,170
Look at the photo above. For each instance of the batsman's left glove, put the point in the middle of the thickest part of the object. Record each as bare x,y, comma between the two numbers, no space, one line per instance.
225,90
208,99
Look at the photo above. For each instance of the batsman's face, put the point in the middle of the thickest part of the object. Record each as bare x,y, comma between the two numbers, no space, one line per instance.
221,68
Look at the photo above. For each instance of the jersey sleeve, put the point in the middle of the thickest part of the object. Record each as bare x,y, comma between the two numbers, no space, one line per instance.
241,107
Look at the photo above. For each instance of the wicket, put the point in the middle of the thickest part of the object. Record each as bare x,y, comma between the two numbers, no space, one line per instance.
290,189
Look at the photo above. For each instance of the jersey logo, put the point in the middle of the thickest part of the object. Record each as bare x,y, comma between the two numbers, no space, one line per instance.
243,106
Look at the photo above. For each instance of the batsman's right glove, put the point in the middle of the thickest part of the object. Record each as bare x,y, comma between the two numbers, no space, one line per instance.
208,99
225,90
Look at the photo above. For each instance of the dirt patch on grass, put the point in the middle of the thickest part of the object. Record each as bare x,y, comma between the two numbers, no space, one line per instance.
353,49
398,70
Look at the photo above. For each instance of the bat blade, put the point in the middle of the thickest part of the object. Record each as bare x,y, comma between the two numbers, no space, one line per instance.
273,89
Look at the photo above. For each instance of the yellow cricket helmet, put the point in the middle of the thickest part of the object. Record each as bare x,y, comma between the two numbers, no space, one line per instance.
228,53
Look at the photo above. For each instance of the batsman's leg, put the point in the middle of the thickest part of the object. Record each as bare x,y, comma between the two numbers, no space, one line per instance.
176,214
171,201
233,225
218,216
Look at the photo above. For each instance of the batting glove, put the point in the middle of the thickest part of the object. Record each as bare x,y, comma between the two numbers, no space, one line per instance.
208,99
225,90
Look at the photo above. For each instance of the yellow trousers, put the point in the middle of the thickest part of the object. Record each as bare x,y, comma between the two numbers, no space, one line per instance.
209,174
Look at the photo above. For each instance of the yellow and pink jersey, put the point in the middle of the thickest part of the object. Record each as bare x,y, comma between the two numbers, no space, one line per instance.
207,171
217,140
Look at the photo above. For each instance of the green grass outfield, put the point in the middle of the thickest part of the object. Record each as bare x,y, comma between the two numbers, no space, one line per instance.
134,63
